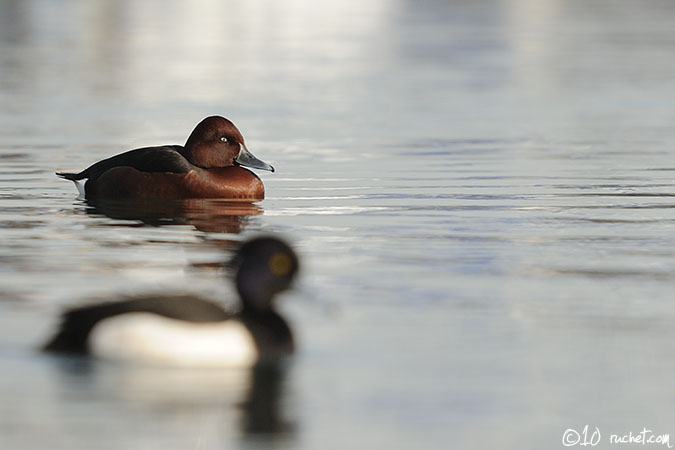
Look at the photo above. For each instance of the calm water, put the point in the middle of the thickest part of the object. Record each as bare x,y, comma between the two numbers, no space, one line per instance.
481,192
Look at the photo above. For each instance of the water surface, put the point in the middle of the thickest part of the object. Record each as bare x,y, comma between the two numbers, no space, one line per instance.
481,194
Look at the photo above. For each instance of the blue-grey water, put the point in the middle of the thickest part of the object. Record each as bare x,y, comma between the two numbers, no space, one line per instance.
481,193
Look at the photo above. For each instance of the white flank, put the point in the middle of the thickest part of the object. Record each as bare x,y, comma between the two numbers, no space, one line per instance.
156,340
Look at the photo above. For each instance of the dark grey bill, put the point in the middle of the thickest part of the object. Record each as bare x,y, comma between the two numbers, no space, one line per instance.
246,159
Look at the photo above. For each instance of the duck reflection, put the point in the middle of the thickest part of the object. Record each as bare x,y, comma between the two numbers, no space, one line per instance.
207,215
262,406
249,402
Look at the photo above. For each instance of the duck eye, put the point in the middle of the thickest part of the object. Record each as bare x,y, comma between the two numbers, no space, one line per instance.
280,264
224,139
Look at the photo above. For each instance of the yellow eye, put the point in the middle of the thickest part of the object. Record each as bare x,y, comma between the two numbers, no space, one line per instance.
280,264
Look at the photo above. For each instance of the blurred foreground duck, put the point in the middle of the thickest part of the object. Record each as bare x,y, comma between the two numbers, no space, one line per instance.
188,331
209,165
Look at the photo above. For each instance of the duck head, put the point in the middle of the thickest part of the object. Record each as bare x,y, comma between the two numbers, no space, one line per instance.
216,142
265,266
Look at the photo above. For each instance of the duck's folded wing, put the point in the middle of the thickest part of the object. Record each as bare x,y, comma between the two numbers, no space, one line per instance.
149,159
77,323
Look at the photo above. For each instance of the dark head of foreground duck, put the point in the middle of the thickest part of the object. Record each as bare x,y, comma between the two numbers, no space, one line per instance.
209,165
188,331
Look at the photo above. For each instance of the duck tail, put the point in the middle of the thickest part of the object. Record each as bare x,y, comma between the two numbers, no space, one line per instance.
77,179
62,342
69,176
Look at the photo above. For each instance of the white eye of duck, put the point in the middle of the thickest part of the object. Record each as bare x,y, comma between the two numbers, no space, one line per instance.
224,139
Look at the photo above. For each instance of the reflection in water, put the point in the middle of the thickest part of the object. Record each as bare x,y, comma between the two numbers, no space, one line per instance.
261,408
207,215
252,398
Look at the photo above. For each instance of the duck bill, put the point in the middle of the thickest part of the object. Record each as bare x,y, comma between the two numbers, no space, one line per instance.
246,159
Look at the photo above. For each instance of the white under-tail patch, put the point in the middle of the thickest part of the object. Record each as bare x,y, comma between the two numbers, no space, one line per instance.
157,340
79,184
